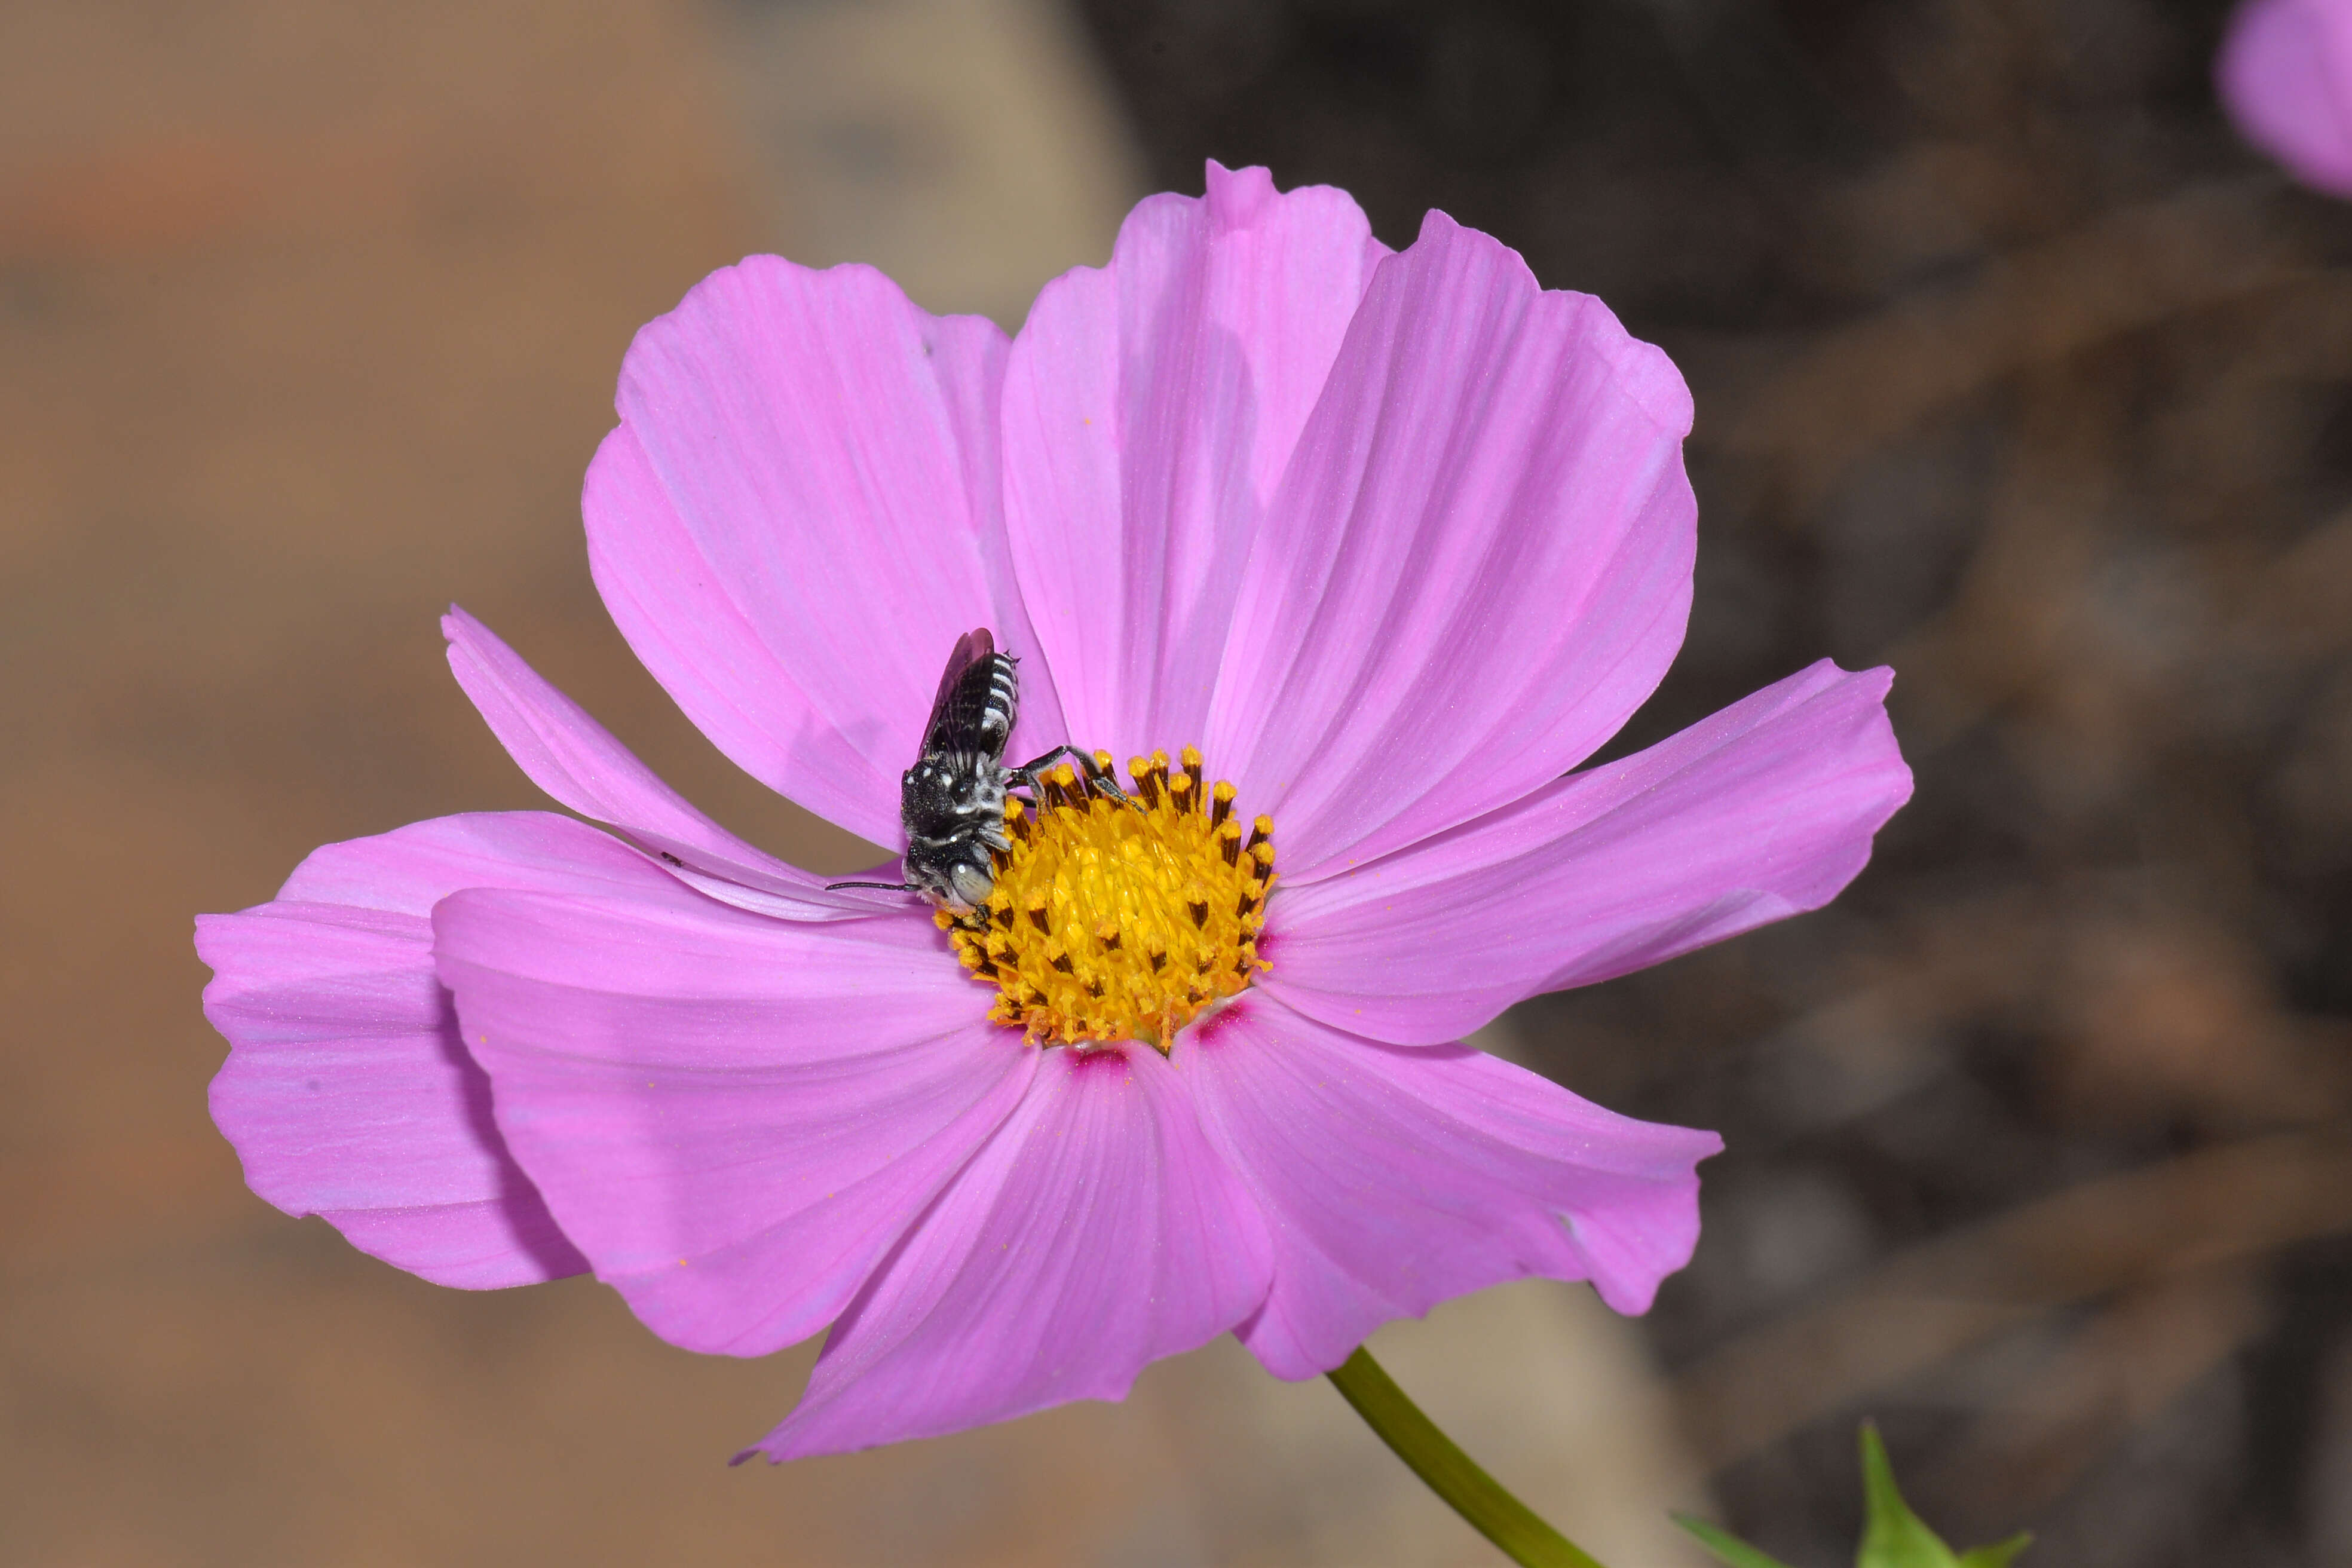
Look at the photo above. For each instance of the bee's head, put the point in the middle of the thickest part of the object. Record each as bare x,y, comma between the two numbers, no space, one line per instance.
970,883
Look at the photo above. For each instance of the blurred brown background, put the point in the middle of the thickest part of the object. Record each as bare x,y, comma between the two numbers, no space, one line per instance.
2013,369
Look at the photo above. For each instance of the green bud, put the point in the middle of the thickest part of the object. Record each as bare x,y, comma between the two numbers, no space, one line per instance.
1891,1535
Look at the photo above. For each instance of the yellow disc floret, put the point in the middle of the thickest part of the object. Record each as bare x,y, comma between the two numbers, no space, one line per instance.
1120,921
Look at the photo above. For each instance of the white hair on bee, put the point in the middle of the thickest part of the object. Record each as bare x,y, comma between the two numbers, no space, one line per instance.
951,801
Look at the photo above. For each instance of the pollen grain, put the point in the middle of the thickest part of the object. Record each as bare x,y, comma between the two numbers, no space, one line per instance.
1115,920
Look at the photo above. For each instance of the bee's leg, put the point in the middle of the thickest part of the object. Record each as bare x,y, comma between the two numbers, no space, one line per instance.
1103,779
1098,776
1026,775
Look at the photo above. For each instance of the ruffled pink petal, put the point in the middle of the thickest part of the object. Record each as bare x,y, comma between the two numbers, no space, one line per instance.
798,517
577,760
733,1117
1393,1179
347,1092
1478,565
1760,812
2285,73
1150,410
1097,1232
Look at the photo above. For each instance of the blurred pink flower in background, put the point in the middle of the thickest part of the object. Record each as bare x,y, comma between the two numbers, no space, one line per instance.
2286,75
1398,538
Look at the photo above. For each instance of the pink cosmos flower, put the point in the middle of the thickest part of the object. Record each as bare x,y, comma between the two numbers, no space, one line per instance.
1397,538
2285,74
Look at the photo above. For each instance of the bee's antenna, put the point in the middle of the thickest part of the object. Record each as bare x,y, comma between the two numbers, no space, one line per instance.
886,886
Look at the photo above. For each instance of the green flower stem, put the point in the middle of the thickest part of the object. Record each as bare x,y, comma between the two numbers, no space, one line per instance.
1449,1472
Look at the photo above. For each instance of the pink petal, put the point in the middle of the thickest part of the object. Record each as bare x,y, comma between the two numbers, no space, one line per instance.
733,1117
1758,813
1477,567
797,518
1395,1179
346,1091
1150,410
1095,1233
2286,75
577,760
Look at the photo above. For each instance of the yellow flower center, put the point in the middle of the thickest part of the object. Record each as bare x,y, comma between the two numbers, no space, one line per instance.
1113,921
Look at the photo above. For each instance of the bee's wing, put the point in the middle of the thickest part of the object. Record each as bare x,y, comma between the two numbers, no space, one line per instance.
959,714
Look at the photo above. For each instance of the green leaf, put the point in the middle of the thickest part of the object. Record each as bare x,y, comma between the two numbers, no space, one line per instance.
1727,1548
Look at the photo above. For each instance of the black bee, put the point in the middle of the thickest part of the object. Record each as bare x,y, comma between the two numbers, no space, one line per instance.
952,800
